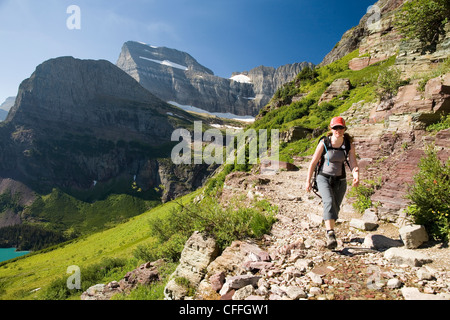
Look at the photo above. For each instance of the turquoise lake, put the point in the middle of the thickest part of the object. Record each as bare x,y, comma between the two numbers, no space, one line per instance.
10,253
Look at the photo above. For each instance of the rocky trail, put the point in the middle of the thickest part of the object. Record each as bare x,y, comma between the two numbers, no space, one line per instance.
292,262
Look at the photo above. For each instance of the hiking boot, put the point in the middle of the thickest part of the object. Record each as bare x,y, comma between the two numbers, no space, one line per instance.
331,240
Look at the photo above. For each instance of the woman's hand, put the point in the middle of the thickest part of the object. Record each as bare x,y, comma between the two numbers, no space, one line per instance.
308,186
355,173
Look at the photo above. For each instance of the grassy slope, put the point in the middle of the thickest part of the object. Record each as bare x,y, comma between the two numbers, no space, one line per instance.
308,114
19,277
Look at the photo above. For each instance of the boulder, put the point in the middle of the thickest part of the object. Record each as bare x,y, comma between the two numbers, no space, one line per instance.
238,256
370,215
406,256
357,64
243,293
295,133
145,274
238,282
410,293
295,293
197,254
413,236
394,283
217,281
379,242
336,88
363,225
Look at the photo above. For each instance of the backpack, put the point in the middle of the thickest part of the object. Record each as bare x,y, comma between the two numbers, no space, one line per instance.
327,145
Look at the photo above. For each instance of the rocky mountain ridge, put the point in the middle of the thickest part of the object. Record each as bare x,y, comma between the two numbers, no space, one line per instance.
176,76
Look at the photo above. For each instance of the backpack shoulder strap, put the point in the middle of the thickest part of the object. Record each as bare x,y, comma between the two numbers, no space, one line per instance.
327,145
347,146
347,150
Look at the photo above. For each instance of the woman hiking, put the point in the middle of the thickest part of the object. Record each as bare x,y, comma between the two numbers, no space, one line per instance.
333,150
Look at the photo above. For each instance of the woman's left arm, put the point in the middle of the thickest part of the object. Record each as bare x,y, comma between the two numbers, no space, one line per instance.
354,166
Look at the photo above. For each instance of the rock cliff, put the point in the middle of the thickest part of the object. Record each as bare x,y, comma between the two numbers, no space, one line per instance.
374,34
81,96
77,123
377,37
176,76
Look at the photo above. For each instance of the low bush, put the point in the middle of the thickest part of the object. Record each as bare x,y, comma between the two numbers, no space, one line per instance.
224,224
362,193
423,20
430,195
442,124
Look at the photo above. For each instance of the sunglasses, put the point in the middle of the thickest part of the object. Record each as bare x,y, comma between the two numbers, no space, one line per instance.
338,128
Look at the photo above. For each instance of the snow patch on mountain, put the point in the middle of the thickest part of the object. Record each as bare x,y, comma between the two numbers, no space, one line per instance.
167,63
242,78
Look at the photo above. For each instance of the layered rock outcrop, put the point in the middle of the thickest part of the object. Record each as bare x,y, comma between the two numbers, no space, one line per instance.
375,35
377,38
389,133
176,76
198,252
336,88
390,139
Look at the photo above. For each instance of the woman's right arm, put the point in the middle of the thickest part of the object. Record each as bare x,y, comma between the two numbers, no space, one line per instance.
315,159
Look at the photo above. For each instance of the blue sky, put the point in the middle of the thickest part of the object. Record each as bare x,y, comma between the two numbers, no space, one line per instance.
223,35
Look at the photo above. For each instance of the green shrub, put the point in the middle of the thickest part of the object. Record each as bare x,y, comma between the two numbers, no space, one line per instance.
362,193
225,224
442,124
430,195
389,81
424,20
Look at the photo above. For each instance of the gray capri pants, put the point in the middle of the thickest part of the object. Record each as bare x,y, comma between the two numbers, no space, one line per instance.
332,191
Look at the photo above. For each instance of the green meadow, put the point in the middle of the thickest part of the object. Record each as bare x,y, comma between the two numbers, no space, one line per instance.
28,277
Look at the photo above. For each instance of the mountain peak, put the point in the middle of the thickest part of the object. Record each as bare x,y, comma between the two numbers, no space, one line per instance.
173,75
163,56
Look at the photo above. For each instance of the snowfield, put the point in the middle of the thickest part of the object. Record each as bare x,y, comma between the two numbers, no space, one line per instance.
217,114
167,63
241,78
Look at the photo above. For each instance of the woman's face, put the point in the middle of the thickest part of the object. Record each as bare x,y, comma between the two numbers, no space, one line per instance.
338,131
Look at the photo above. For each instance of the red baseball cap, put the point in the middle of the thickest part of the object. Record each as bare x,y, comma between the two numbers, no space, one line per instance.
337,121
